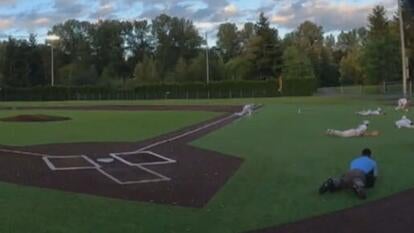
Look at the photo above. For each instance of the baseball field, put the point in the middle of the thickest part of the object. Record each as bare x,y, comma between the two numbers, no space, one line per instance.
195,166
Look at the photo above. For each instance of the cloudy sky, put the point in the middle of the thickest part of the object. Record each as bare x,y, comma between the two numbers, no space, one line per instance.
20,17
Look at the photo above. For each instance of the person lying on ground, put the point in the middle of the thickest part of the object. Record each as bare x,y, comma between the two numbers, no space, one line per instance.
357,132
370,112
247,110
402,104
362,174
404,122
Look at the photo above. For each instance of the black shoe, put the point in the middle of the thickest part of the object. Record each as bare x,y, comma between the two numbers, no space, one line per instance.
326,186
359,191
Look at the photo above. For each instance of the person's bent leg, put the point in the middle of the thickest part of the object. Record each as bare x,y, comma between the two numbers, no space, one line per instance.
356,181
344,134
359,188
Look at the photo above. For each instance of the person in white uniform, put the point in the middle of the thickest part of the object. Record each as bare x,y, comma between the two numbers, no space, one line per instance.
404,123
402,104
356,132
370,112
247,110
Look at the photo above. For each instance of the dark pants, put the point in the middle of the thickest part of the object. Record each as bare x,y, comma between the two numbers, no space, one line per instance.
349,180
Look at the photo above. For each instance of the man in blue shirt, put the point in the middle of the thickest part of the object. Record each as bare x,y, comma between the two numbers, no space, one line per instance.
362,174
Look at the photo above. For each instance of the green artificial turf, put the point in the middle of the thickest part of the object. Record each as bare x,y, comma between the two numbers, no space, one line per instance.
95,126
286,157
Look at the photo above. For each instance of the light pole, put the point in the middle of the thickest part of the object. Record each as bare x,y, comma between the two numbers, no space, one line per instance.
51,39
207,60
403,50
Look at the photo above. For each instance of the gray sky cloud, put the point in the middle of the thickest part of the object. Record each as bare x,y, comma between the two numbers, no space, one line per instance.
333,16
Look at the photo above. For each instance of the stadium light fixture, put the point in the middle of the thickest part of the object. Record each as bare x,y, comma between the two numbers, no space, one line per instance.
52,38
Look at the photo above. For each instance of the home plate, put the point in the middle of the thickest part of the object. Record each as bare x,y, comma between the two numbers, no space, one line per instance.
105,160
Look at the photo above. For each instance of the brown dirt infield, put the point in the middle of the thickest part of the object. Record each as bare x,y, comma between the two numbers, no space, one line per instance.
34,118
170,171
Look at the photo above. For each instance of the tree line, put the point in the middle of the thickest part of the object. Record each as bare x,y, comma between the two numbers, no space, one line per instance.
171,50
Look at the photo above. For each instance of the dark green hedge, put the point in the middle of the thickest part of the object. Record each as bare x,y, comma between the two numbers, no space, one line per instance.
224,89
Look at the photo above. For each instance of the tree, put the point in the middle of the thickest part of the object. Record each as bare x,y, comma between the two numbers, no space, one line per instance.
16,67
378,23
146,72
382,54
77,74
176,37
347,40
36,75
329,70
351,68
75,40
239,68
330,42
352,39
382,59
2,62
110,77
139,42
108,45
309,38
246,34
182,71
228,40
296,65
197,69
264,50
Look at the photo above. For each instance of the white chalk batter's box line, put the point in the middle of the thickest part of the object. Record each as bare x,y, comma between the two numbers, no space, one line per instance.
52,167
96,166
118,156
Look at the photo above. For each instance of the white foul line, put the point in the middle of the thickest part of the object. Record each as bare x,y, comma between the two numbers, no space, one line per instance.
23,152
177,137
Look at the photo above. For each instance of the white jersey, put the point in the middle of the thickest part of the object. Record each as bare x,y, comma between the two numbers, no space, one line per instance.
370,112
361,129
357,132
404,123
402,104
247,110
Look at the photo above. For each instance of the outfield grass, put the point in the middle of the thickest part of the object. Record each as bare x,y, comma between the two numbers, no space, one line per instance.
95,126
286,157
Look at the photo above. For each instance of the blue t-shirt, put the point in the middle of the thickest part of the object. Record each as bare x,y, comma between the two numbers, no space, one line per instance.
365,164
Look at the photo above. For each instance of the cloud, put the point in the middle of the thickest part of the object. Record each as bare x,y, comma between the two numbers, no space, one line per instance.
7,2
197,10
332,15
5,24
230,9
43,21
105,10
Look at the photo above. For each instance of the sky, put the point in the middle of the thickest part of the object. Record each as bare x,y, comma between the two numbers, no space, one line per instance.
18,18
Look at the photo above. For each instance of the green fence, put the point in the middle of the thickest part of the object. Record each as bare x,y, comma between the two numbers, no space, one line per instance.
225,89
